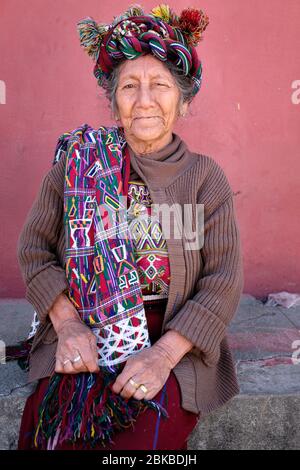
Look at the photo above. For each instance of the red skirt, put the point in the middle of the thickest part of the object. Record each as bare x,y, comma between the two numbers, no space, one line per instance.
149,430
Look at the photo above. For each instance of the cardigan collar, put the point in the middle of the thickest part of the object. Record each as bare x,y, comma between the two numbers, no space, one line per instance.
159,169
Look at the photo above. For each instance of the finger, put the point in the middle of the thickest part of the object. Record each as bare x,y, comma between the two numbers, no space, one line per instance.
59,366
79,365
141,394
88,357
93,344
130,371
68,368
128,390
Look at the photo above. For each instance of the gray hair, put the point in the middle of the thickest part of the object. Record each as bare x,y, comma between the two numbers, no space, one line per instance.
184,83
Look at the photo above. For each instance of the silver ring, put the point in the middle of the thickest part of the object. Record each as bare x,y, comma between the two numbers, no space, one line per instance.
77,358
66,361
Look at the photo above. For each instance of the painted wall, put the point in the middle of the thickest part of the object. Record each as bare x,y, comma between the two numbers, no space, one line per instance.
247,117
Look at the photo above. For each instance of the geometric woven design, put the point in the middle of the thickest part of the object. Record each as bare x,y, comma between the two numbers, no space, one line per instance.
100,265
150,247
118,340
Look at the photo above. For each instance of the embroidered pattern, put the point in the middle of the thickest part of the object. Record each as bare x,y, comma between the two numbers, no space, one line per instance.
100,265
150,247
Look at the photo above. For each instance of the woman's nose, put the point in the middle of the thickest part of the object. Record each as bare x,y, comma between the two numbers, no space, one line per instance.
145,96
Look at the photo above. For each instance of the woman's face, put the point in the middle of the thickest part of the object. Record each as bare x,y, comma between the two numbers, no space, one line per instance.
147,99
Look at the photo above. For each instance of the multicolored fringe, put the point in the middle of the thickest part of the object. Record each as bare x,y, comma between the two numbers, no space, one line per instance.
19,352
83,406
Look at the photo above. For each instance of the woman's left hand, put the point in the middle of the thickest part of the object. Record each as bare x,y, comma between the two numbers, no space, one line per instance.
150,367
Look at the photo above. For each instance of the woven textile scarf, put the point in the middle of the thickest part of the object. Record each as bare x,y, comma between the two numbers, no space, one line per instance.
104,287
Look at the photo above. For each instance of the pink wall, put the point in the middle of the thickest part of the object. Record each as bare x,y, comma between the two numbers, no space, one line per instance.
247,117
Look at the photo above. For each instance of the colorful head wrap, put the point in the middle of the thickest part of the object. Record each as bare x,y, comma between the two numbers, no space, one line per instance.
162,33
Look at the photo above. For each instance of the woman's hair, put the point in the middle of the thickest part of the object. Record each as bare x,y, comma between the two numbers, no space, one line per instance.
184,83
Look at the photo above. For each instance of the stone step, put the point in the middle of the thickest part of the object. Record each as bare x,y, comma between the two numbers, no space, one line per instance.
265,342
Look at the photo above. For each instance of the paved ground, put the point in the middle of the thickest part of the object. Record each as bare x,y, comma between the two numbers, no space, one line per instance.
265,415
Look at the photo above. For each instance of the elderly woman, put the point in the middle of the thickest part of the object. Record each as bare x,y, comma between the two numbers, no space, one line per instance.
130,346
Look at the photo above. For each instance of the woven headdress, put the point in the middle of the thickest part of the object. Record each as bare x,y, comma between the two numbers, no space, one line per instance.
162,33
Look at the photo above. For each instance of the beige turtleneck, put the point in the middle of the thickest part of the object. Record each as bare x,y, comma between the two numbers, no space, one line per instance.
160,168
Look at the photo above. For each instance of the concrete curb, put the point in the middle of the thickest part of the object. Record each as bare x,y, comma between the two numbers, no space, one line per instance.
262,422
265,415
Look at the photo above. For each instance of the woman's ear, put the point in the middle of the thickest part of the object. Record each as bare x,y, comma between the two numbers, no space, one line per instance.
184,108
116,112
114,115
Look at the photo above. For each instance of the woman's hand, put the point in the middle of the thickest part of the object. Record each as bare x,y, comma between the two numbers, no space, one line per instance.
150,367
76,340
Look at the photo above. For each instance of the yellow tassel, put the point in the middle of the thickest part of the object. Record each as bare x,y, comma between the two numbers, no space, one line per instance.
162,11
36,433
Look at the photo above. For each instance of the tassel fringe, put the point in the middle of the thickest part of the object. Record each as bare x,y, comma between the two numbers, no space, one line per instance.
83,406
19,352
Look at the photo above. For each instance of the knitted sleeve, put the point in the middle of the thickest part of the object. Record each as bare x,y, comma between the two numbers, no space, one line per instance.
204,317
42,273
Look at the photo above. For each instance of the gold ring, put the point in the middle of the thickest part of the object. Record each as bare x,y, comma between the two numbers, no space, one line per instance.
143,388
132,382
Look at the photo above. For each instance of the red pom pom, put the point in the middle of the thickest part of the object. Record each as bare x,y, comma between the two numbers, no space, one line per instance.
193,22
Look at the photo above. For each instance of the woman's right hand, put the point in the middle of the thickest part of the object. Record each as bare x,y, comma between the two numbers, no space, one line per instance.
75,339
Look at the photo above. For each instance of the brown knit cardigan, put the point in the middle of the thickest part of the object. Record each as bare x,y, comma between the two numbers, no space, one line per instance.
206,284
